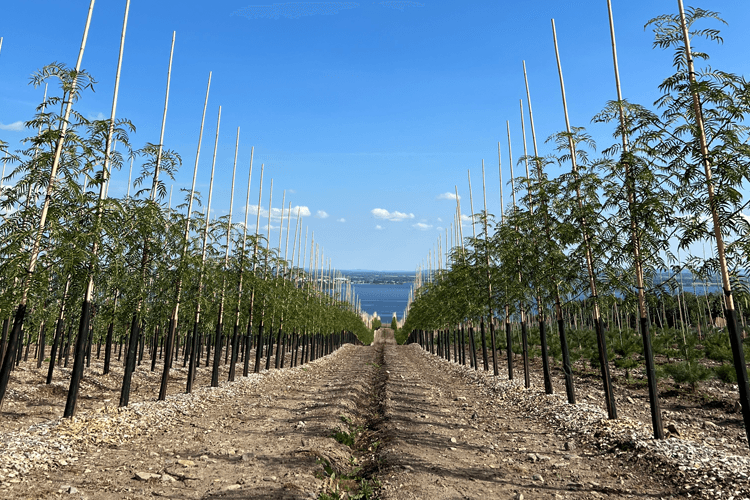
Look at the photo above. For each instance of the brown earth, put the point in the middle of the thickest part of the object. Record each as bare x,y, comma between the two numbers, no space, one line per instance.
406,425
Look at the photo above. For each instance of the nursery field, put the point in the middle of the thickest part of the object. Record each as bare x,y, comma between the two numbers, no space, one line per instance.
380,421
154,345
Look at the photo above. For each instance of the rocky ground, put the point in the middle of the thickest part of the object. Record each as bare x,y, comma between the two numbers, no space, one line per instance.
384,421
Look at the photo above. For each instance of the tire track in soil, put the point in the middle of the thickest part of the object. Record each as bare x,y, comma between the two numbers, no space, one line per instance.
263,440
446,438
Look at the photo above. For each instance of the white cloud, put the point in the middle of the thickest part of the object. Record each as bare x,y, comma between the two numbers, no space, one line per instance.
395,216
341,220
273,228
422,226
276,212
465,218
448,196
440,228
440,220
98,116
378,227
321,214
14,127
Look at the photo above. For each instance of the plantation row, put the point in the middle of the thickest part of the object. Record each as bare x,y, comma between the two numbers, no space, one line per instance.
577,260
80,269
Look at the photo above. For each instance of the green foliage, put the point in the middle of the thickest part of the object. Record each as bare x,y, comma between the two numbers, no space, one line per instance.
394,324
376,324
726,373
687,372
717,347
629,350
347,437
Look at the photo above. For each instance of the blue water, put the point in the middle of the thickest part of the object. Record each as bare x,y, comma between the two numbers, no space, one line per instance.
383,299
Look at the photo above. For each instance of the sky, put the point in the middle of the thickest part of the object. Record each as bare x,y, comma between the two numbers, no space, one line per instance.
367,114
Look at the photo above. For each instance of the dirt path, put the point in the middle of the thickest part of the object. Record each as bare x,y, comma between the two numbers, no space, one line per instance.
409,426
449,438
267,436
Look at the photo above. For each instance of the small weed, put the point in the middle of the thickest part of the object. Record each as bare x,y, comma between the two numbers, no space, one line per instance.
344,437
334,495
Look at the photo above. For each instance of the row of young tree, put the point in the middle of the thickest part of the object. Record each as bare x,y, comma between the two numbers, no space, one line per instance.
600,237
79,268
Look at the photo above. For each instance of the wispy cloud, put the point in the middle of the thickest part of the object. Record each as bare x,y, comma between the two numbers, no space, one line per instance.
14,127
422,226
378,227
98,116
448,196
276,212
294,10
400,5
395,216
321,214
341,220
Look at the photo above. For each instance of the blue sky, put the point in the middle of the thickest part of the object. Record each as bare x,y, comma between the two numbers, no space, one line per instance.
365,112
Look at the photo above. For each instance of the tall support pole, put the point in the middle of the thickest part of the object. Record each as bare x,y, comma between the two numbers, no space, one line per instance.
735,336
490,316
85,321
262,325
539,305
600,337
250,324
20,315
236,328
635,241
567,367
202,270
485,359
218,340
164,117
192,343
508,330
521,305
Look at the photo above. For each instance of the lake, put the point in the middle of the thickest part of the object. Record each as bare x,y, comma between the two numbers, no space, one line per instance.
383,299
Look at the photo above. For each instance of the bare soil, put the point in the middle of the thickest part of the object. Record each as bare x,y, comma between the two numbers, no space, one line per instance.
383,421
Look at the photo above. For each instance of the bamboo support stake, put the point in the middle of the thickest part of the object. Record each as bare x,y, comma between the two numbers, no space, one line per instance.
207,222
163,121
567,368
192,344
85,322
601,339
34,254
730,313
522,306
508,336
218,340
261,326
539,305
490,316
250,323
635,242
471,205
236,328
